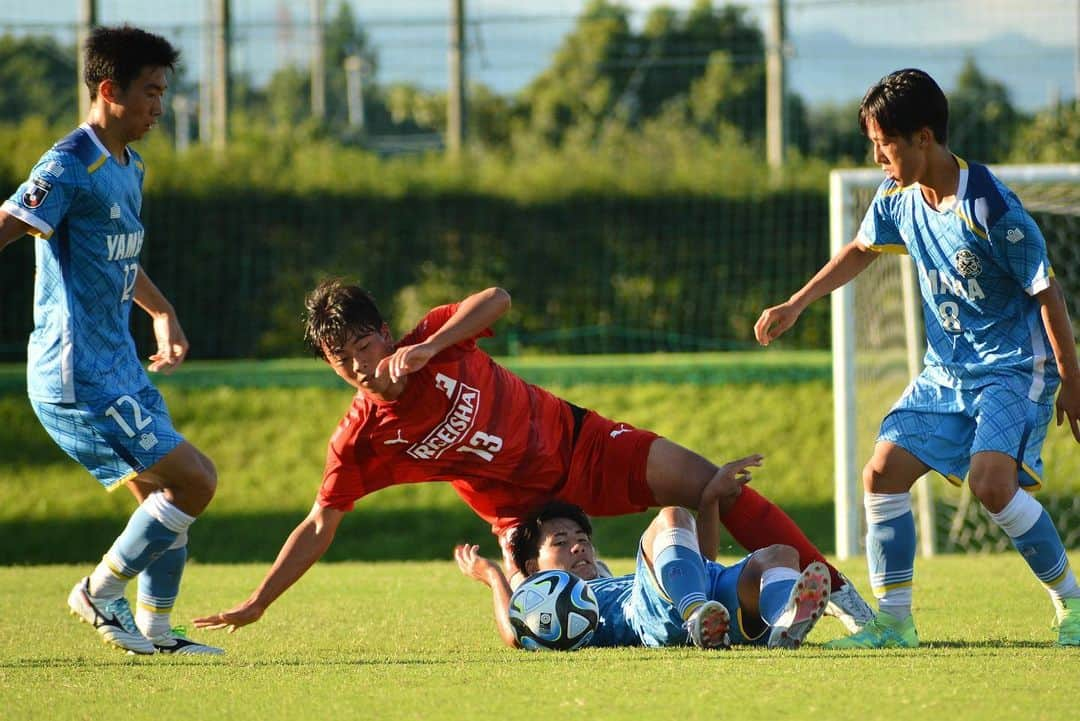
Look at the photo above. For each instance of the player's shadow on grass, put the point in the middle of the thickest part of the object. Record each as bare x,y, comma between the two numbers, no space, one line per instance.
368,534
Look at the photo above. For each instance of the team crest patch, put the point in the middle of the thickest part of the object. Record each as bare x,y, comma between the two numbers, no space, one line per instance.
37,192
967,263
1014,235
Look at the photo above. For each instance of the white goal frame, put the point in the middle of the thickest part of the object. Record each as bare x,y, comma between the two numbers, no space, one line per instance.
843,225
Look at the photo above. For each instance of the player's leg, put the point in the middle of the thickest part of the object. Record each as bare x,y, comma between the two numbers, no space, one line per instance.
677,476
788,601
159,587
890,546
670,548
1006,455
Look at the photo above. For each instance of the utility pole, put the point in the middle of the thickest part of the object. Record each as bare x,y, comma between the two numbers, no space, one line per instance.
318,61
220,112
775,86
354,90
455,100
181,106
87,21
206,79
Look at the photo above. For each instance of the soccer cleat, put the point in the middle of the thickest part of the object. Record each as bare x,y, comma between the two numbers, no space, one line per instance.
112,619
1069,622
848,607
883,631
708,626
176,641
805,606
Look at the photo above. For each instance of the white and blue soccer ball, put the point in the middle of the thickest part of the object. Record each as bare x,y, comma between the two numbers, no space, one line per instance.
553,611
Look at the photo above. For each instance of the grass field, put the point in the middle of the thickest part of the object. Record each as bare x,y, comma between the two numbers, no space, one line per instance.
416,641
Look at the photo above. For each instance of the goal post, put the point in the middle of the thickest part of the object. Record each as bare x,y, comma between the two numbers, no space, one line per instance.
877,335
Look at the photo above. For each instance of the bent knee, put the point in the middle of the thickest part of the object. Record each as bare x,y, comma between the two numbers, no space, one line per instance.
778,554
673,517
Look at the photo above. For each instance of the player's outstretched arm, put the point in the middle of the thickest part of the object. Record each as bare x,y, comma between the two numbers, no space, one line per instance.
473,315
481,569
11,229
172,344
852,259
1055,316
305,545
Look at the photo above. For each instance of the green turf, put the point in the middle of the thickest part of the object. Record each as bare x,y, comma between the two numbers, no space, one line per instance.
415,641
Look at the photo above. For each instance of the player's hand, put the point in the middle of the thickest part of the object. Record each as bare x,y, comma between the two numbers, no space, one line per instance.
473,565
775,321
232,619
172,344
729,478
1068,406
405,360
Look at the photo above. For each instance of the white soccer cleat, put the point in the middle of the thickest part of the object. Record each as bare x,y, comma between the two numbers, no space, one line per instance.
176,641
848,607
708,626
112,619
805,606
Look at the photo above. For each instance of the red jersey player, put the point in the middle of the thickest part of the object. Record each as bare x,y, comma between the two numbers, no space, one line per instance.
434,407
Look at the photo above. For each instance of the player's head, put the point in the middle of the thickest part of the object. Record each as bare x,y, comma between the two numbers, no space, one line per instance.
904,102
343,326
905,116
127,68
557,536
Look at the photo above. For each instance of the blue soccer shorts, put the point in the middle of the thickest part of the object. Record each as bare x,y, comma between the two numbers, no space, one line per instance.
944,427
115,440
656,620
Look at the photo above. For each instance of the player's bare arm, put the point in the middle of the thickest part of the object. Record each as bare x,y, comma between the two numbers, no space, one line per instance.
731,474
852,259
172,344
305,545
474,314
11,229
487,572
1055,316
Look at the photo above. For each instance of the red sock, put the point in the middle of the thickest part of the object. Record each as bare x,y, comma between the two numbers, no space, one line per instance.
755,522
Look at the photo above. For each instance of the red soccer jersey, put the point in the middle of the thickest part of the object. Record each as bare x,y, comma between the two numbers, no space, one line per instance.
503,444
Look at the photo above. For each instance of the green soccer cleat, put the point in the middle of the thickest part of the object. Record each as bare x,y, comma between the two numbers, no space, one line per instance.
176,641
883,631
1069,622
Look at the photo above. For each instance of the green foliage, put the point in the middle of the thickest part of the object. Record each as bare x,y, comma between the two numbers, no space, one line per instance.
37,76
982,119
1053,136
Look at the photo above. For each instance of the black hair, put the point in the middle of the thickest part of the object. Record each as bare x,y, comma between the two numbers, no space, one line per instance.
905,101
335,312
525,543
120,54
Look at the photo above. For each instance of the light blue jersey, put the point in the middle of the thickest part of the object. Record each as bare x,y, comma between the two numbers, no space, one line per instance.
980,262
84,208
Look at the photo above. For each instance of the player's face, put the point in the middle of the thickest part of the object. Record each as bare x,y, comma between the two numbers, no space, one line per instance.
900,158
142,104
358,359
565,546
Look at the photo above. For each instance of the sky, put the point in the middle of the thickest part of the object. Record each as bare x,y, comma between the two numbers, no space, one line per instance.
1030,43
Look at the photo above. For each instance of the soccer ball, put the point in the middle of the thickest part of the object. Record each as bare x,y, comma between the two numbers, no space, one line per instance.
553,611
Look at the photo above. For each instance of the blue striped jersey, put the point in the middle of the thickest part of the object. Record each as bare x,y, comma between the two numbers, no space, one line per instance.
980,262
84,209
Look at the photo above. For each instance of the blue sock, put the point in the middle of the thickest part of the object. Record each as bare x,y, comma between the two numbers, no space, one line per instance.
890,550
159,585
776,585
680,570
1033,534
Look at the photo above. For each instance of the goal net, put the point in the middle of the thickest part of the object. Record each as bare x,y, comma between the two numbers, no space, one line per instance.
878,345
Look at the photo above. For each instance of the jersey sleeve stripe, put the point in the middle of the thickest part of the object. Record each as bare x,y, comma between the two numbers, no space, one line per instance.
96,164
44,230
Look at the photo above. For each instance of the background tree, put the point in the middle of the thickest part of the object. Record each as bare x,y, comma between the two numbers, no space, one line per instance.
37,77
982,119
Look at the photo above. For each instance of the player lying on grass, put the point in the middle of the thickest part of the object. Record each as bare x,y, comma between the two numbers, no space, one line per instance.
999,345
434,407
83,201
674,597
